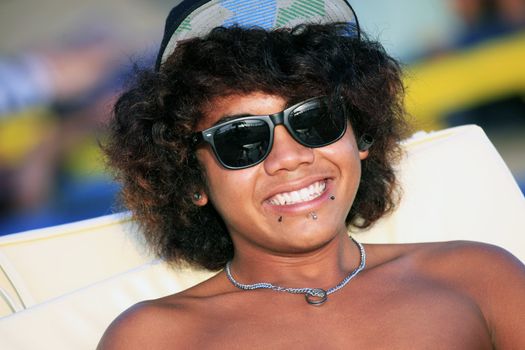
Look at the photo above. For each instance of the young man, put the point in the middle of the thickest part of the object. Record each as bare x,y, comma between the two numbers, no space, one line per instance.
251,151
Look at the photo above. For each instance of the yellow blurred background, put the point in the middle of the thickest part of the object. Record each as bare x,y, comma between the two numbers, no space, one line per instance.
62,63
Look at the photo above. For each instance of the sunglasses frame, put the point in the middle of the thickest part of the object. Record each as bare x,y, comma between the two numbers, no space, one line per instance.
272,120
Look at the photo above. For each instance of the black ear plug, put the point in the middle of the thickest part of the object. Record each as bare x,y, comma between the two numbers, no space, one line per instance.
365,142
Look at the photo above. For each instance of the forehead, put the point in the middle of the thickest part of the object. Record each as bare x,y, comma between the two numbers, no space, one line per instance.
255,103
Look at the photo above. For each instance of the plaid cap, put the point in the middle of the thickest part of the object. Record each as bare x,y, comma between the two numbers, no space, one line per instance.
194,18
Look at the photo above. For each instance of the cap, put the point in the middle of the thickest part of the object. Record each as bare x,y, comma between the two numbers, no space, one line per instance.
194,18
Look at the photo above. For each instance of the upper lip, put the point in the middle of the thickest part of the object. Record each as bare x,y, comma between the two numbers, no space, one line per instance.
295,185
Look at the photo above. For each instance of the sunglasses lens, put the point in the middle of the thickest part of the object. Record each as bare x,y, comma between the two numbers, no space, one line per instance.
317,123
243,143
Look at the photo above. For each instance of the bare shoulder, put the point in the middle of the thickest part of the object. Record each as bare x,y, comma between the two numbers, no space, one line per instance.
455,261
143,325
158,323
489,275
472,264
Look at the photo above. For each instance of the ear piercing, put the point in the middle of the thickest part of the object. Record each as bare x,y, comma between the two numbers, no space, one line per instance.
365,142
197,196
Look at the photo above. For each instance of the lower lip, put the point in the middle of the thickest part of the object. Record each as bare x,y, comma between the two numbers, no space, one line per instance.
303,207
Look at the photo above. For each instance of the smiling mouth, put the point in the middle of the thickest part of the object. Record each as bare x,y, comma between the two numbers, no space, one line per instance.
302,195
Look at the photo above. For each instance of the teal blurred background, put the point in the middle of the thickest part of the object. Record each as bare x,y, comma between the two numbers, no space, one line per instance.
62,64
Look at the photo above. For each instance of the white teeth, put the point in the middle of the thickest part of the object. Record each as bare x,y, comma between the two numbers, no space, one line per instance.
303,195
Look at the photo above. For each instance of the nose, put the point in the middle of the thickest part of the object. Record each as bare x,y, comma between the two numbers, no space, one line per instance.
286,154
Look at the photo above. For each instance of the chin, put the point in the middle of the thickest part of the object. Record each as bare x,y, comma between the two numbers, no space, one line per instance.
309,237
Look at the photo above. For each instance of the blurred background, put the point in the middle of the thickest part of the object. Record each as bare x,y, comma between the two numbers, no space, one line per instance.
63,63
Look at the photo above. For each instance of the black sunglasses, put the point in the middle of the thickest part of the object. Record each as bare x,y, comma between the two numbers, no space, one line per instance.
246,141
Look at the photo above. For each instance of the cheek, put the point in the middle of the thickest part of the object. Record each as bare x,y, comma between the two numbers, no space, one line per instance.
226,189
207,159
213,172
346,157
344,152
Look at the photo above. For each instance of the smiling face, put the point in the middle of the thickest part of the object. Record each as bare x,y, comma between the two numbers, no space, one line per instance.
269,206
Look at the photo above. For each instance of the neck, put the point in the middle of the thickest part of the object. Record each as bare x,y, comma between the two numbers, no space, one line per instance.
322,267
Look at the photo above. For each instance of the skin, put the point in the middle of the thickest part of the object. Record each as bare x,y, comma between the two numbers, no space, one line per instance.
456,295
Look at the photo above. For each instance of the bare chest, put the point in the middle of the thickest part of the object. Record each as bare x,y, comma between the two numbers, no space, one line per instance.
426,318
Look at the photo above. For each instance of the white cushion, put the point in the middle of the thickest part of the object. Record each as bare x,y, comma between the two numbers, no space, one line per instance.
77,320
45,263
455,186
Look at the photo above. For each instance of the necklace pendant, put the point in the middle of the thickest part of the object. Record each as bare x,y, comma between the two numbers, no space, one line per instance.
316,296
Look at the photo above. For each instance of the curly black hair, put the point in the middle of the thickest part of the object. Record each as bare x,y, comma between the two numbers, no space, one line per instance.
150,149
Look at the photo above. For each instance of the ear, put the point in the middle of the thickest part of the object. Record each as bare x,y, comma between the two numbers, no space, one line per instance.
363,144
200,198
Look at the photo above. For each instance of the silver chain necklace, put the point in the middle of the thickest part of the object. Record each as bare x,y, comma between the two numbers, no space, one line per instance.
313,296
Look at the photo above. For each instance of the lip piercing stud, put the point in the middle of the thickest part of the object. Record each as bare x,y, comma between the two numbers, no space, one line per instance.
280,219
332,197
313,215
